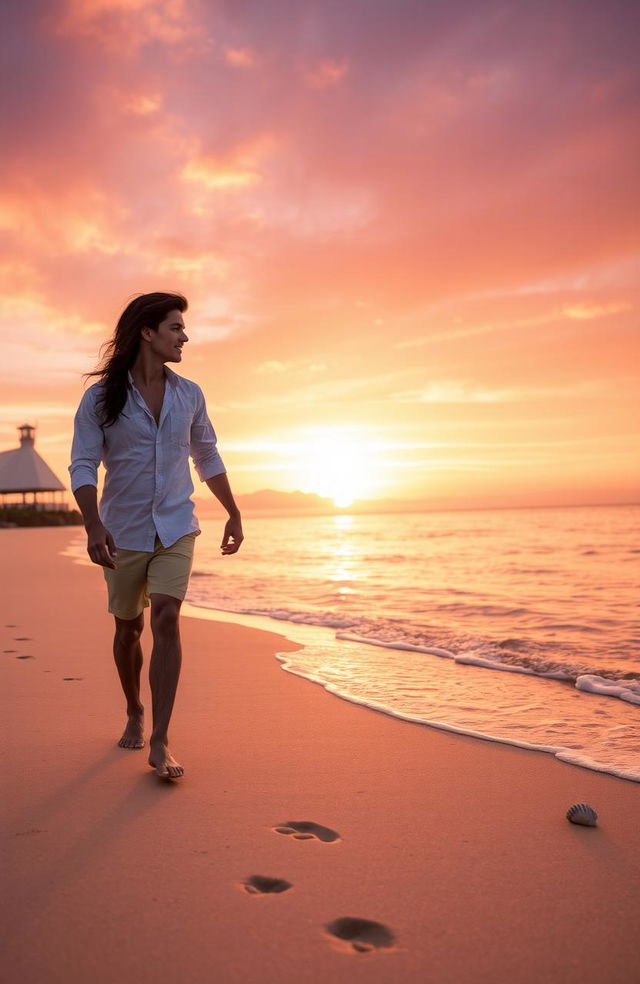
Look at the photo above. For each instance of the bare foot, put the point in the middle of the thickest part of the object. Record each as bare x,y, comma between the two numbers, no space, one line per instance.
132,736
164,763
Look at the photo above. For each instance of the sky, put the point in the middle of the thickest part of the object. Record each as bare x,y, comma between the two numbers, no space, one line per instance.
407,231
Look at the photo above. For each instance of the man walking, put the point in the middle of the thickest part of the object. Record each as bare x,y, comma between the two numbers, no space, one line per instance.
142,421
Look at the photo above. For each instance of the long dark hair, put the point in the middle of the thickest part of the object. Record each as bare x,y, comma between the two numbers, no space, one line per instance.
121,351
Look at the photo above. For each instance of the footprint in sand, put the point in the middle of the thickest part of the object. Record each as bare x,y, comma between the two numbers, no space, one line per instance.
307,830
22,639
11,625
73,678
25,657
263,885
361,935
9,650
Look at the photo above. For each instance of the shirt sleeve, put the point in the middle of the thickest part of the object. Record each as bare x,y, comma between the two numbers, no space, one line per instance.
88,440
204,451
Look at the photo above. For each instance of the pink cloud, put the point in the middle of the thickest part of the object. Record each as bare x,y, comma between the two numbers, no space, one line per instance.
143,103
325,73
123,26
239,57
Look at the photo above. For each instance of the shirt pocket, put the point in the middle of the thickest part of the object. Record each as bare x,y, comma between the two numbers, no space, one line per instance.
181,428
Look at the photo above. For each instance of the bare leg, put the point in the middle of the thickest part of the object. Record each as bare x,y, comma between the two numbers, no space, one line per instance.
164,672
128,656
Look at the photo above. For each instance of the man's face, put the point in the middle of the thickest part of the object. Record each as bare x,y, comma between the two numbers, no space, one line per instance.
167,341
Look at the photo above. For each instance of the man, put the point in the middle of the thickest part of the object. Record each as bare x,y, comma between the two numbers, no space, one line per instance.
142,421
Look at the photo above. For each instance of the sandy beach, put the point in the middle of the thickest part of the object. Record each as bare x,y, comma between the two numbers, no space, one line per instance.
457,849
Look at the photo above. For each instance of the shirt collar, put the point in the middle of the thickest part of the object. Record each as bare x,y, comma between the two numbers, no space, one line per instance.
170,376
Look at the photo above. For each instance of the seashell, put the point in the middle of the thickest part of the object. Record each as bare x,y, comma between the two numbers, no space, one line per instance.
583,814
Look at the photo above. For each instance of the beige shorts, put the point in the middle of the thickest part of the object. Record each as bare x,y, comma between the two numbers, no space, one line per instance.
140,573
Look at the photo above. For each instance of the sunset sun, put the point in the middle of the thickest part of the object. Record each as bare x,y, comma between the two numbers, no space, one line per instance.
337,465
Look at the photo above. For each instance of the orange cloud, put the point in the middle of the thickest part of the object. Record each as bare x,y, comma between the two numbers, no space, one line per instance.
586,311
216,175
51,344
454,391
193,268
239,168
275,366
81,220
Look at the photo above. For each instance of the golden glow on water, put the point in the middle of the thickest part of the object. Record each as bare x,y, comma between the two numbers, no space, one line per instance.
343,522
340,556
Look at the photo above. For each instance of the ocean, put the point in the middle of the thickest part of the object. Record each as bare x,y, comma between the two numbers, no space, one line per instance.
518,626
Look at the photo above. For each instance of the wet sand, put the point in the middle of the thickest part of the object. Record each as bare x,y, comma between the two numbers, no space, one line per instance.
439,857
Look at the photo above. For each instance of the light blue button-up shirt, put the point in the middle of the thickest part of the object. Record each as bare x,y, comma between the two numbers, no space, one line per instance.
148,485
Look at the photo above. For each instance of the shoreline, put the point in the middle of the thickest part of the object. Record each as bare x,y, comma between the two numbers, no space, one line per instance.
460,849
588,733
307,633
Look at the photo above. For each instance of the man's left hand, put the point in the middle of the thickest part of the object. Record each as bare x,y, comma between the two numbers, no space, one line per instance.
232,536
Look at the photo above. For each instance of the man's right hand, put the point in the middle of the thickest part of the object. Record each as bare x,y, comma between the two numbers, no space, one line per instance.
100,546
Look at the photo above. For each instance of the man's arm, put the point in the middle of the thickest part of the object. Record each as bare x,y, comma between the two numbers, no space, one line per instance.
100,545
233,535
210,468
86,452
204,450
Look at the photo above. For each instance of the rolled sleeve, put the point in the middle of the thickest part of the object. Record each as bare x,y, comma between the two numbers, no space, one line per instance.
204,451
88,440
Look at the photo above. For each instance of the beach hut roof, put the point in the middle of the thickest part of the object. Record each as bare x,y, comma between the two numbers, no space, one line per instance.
23,470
